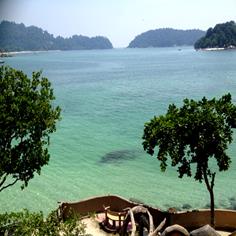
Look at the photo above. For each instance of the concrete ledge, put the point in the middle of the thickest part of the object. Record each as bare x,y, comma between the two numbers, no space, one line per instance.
224,219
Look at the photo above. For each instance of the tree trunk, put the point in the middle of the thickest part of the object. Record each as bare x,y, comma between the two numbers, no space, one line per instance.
210,187
212,208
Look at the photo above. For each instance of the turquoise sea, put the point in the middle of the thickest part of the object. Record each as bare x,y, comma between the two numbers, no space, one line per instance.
106,96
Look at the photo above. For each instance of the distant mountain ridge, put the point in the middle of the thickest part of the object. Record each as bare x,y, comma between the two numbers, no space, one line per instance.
166,37
221,36
18,37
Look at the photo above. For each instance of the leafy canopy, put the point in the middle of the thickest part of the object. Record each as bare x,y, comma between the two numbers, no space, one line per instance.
193,134
221,36
27,117
35,223
18,37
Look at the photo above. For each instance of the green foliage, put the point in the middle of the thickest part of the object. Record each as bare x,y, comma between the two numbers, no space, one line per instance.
192,135
222,36
166,38
17,37
26,223
27,117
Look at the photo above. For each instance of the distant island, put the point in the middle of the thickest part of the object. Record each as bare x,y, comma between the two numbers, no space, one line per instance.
222,36
18,37
166,37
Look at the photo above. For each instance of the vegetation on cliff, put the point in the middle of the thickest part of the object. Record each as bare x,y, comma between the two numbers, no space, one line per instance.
18,37
221,36
166,38
35,223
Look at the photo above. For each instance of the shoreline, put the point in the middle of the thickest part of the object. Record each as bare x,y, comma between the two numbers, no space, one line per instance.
217,49
10,54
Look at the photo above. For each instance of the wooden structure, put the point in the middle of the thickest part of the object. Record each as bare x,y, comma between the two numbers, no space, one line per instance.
225,219
113,220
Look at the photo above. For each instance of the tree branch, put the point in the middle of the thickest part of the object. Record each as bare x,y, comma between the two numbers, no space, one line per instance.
141,209
3,180
132,222
2,188
151,225
206,180
159,228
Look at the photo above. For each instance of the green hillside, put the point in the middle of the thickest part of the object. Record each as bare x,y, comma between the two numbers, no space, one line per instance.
166,38
221,36
18,37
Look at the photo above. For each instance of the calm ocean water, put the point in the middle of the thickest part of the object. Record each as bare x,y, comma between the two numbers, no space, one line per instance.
106,97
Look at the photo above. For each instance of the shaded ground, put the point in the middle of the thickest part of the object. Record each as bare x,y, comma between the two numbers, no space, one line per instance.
93,228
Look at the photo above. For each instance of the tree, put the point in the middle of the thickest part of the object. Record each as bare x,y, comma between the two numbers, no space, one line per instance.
138,215
221,36
35,223
27,117
192,136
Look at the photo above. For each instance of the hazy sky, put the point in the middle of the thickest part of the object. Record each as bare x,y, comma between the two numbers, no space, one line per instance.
119,20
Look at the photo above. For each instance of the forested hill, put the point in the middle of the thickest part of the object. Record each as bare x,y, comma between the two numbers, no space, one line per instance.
166,37
221,36
18,37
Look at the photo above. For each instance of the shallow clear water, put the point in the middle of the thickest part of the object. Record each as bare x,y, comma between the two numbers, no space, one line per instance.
106,97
